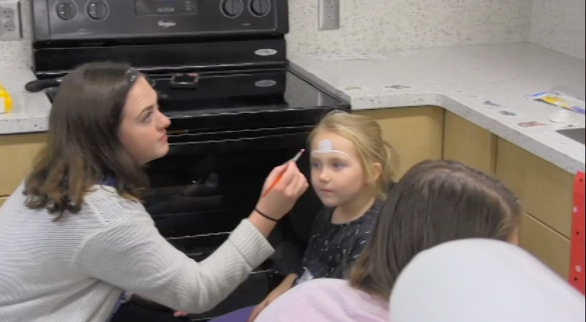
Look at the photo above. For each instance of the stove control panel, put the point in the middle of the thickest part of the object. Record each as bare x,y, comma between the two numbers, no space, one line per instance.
165,7
121,19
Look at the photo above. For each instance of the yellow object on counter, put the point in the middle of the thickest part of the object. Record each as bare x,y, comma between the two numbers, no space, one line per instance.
6,104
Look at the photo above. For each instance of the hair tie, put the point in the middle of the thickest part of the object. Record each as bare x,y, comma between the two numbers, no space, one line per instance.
267,217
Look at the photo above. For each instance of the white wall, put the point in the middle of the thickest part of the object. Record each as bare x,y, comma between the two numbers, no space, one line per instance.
379,25
559,25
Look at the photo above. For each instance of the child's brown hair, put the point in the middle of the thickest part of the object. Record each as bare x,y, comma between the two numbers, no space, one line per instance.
435,202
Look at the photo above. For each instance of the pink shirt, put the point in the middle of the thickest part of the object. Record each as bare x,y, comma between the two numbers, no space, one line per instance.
325,300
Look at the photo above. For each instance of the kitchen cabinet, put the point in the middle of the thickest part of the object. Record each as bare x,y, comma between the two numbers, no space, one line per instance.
470,144
414,132
545,190
17,153
552,248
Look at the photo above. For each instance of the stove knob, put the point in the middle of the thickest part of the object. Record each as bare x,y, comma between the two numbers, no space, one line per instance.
260,8
66,10
232,8
98,10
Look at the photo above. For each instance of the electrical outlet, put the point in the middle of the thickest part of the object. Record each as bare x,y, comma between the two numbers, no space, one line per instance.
329,15
10,25
7,13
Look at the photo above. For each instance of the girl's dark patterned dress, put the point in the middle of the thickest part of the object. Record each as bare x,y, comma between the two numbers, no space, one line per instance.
333,248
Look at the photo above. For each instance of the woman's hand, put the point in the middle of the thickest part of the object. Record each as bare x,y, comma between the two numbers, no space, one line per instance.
179,314
283,196
275,204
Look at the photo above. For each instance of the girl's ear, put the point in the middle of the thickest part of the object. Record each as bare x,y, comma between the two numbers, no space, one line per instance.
377,170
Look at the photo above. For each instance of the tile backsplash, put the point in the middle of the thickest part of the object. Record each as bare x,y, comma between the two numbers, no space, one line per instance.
380,25
559,25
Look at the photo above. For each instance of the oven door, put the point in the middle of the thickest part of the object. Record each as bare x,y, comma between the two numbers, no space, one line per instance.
210,181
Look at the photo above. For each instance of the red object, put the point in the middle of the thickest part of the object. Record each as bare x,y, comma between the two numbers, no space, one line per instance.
577,262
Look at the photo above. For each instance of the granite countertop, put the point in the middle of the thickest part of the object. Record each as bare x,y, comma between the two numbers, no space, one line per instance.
484,84
31,110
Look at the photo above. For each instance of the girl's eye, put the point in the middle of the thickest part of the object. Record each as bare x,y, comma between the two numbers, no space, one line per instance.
315,165
338,165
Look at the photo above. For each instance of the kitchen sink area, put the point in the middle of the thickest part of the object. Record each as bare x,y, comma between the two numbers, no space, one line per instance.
577,135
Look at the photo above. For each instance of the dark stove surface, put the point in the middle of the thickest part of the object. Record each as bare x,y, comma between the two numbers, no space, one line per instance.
186,94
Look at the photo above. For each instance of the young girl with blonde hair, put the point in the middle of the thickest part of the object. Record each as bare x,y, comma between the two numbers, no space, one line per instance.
351,170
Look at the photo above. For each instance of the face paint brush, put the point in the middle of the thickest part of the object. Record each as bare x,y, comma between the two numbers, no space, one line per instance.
295,159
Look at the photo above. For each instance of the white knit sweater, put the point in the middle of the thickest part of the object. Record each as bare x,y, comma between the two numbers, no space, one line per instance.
77,268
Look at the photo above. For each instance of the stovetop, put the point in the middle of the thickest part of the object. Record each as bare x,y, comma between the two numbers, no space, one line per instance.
190,94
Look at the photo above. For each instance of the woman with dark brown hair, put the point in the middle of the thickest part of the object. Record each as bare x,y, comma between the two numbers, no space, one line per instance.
435,202
74,236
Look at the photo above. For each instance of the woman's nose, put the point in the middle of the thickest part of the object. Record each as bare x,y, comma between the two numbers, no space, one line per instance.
164,121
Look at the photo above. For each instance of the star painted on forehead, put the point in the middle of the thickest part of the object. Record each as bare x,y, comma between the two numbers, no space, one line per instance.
326,146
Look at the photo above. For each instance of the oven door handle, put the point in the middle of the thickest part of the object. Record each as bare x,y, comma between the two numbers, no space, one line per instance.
41,84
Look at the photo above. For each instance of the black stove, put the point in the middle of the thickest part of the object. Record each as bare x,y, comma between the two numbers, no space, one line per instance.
191,94
220,70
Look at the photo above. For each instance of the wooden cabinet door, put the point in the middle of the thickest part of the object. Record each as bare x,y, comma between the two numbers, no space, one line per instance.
550,247
415,132
17,153
546,190
470,144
